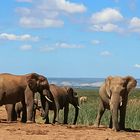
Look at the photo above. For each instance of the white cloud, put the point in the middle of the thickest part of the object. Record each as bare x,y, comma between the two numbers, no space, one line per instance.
134,24
66,45
109,27
24,0
63,5
96,42
24,37
106,20
26,47
107,15
40,23
60,45
105,53
137,65
47,13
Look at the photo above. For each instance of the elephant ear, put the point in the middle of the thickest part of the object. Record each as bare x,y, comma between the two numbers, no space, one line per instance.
130,83
71,92
107,85
32,81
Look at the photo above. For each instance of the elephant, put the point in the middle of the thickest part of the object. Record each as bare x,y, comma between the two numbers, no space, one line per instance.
19,109
21,88
114,96
62,96
83,99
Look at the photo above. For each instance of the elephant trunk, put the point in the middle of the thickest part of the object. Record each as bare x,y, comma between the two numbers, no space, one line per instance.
45,106
76,114
114,106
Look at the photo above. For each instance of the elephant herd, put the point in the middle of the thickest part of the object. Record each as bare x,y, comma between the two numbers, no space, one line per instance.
15,88
17,94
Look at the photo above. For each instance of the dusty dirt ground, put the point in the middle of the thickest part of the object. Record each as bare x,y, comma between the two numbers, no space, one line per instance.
20,131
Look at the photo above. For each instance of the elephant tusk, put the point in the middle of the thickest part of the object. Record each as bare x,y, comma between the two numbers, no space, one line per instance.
120,103
48,99
78,107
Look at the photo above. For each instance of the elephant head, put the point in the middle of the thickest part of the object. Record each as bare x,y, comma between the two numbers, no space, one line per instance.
73,99
39,83
117,89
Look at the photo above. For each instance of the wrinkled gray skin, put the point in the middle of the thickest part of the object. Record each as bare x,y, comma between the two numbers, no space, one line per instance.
21,88
114,96
62,96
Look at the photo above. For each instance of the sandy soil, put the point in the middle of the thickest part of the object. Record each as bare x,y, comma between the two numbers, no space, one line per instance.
20,131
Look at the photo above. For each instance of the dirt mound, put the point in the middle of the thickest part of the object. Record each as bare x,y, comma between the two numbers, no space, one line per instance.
20,131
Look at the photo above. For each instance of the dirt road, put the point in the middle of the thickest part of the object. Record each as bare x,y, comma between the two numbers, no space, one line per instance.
20,131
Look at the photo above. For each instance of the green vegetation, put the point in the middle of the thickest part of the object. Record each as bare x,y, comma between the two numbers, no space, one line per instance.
89,109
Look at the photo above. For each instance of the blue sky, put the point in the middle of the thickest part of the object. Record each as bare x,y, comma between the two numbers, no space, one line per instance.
70,38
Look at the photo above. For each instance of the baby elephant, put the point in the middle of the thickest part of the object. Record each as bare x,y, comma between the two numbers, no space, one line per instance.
113,96
14,110
83,99
19,109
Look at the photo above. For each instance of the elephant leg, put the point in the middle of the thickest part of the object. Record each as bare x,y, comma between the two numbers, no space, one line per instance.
18,114
34,114
123,112
57,112
10,112
47,120
66,111
100,114
24,112
110,123
29,100
14,114
54,118
29,112
122,117
57,116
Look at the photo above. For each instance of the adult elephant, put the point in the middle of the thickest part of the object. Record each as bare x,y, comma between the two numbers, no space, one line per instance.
16,88
62,96
114,96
